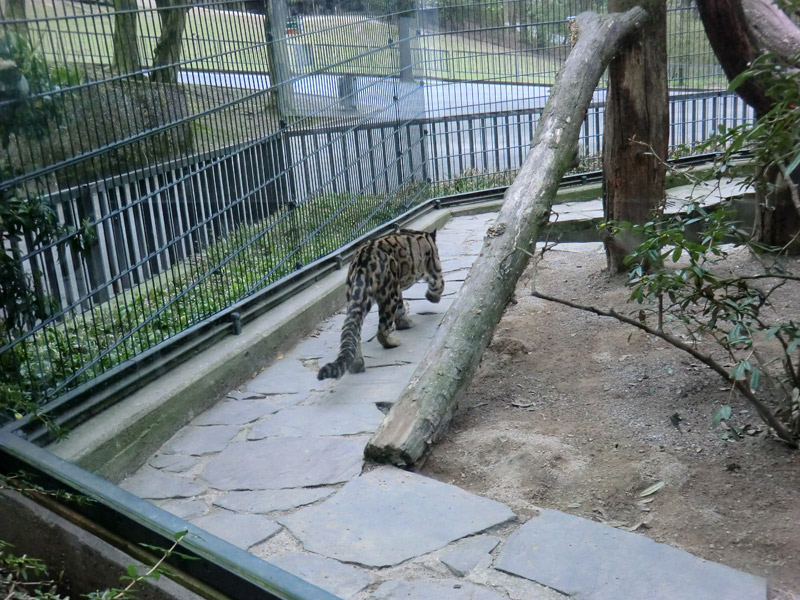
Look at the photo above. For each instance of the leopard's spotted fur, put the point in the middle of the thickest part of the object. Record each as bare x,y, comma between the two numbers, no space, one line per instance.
380,271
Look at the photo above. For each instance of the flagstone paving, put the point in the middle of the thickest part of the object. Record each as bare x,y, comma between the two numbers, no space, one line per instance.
278,468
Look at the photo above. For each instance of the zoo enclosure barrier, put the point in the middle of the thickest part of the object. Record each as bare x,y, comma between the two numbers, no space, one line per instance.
210,173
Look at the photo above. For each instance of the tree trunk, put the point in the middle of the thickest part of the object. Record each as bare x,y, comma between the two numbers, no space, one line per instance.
777,222
740,31
15,10
168,49
126,38
636,127
735,47
426,406
282,97
773,29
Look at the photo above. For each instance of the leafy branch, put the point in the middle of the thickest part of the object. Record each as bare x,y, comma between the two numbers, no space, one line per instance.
783,433
134,577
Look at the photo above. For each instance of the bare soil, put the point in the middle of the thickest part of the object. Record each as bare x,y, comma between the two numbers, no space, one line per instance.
580,413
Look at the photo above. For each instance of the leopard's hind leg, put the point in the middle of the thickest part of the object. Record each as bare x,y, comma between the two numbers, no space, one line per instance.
387,309
402,320
357,366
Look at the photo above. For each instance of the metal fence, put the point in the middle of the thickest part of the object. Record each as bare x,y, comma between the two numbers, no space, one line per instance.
206,150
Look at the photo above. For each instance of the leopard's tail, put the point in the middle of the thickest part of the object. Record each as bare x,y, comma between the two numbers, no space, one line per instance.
351,334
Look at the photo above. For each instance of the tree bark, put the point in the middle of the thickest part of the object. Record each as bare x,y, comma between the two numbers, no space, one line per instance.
740,31
126,43
15,10
773,29
636,126
168,49
427,404
777,221
275,15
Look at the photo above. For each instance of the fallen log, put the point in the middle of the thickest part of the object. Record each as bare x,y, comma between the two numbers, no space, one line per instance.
426,406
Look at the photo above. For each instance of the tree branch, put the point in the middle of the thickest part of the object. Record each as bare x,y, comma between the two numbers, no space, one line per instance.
735,46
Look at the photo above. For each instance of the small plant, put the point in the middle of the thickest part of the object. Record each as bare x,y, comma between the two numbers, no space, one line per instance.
134,577
735,312
25,578
724,319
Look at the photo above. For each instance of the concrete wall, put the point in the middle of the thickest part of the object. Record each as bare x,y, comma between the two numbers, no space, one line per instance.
88,563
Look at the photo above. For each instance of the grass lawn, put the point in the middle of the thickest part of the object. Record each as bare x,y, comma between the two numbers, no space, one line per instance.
228,41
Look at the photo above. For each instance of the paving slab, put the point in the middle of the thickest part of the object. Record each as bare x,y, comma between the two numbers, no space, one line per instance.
369,521
197,441
319,420
266,501
434,589
185,509
590,561
277,463
466,555
455,263
173,463
516,588
289,377
243,531
360,392
244,395
317,346
343,581
241,412
573,211
151,484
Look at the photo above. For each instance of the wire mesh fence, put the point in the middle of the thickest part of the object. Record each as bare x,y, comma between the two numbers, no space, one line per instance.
184,155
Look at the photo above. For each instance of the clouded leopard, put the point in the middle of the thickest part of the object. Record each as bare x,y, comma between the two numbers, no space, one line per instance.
380,271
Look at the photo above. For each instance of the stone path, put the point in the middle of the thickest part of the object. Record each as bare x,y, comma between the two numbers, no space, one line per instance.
277,468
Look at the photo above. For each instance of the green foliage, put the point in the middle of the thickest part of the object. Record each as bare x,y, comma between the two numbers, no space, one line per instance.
25,578
458,14
135,575
774,138
23,482
549,19
39,102
79,347
677,267
722,414
470,180
32,219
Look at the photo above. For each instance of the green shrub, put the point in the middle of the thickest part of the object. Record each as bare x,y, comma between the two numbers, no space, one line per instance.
79,347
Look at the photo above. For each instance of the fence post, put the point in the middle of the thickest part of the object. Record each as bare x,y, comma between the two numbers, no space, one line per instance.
404,42
276,14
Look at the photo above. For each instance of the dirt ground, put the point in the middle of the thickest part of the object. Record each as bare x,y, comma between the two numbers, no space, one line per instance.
575,412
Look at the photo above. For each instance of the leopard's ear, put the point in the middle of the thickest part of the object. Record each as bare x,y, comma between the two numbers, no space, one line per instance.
433,235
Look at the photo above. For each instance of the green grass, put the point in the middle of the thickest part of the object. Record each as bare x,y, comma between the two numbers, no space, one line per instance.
218,40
